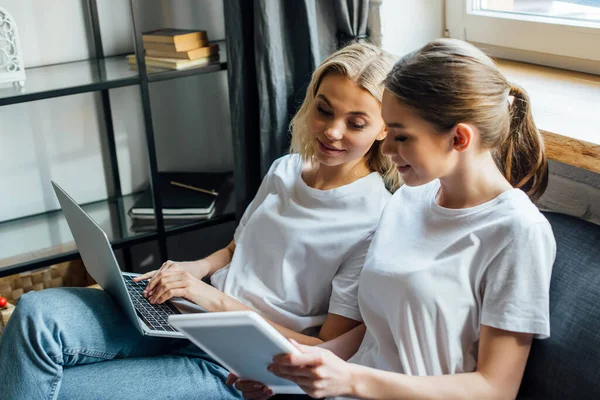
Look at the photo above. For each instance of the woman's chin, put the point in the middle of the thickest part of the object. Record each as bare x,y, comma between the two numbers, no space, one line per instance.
330,161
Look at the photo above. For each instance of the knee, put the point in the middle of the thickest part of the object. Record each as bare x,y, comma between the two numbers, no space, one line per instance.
43,303
30,305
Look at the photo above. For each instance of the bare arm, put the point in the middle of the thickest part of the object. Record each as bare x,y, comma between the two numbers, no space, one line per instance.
334,325
502,359
199,269
346,345
217,260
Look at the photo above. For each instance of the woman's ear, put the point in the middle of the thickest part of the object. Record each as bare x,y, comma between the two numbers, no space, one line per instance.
383,133
462,137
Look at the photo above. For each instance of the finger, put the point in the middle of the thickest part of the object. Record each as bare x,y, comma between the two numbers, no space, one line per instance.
279,370
145,276
256,395
306,349
249,386
163,277
166,280
169,294
156,278
298,360
252,395
231,379
166,283
263,394
290,372
164,293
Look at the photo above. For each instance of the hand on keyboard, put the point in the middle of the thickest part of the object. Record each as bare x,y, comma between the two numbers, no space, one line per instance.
174,281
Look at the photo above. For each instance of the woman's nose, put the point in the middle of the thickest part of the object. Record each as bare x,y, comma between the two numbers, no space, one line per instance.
334,131
387,147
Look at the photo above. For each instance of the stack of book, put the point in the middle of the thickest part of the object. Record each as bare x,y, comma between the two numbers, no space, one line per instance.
186,197
176,49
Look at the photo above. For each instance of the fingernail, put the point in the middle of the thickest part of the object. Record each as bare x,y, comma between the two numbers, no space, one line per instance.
257,386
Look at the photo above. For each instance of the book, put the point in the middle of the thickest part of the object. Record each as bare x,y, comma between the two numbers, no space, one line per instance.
175,63
173,36
194,54
149,69
179,202
175,47
149,224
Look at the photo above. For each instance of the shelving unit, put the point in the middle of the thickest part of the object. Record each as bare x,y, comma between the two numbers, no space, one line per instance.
99,75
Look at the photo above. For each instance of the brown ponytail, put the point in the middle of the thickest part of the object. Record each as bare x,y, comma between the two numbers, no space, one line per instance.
449,81
522,156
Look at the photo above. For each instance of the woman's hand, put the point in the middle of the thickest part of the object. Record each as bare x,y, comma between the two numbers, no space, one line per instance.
196,268
181,279
250,389
317,371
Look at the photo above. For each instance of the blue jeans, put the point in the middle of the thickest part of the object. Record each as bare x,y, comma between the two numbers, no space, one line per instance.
76,343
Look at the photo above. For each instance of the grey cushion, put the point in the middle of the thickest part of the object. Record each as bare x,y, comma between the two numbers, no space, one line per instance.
567,365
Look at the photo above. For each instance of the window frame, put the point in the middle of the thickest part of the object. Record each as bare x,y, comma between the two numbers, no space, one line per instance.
525,34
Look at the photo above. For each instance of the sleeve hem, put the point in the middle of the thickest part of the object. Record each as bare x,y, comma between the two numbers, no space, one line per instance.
345,311
540,329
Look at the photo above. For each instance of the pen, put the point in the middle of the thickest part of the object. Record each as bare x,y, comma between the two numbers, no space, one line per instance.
193,188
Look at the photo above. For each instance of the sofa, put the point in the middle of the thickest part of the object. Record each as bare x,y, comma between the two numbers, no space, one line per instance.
567,365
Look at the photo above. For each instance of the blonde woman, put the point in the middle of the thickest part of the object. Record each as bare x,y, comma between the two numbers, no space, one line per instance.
456,285
295,258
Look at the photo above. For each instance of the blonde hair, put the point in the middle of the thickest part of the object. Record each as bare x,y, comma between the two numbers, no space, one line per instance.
365,65
449,81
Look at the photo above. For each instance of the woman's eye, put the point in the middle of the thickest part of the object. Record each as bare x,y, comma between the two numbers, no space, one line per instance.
321,110
357,126
400,138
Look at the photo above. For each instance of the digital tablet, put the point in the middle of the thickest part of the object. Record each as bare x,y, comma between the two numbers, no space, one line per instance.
241,341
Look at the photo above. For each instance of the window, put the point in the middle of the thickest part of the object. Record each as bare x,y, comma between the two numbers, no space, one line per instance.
567,28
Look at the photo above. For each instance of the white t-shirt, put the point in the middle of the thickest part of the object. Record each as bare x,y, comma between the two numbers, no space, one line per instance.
299,250
433,275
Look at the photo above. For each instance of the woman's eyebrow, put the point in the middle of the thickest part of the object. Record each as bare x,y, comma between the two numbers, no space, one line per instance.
326,100
397,125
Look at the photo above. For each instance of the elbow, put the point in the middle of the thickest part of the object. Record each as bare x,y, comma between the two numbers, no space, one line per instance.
231,248
498,390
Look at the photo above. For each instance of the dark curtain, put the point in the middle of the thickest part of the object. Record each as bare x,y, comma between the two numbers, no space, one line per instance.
351,18
272,49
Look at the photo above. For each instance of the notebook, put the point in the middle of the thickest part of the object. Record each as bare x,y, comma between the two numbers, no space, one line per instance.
180,197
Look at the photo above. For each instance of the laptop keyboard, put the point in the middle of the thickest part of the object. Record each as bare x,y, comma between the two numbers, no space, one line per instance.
154,315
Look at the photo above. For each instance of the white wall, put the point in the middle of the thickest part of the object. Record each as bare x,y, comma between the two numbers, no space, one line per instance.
409,24
405,25
64,138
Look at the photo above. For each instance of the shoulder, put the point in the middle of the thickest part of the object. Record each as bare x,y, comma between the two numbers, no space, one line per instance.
519,217
372,190
289,164
377,198
414,194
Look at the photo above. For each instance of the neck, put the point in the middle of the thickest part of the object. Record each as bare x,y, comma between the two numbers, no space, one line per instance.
475,180
324,177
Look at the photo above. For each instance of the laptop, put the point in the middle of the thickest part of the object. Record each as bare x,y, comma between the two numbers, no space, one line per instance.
101,263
